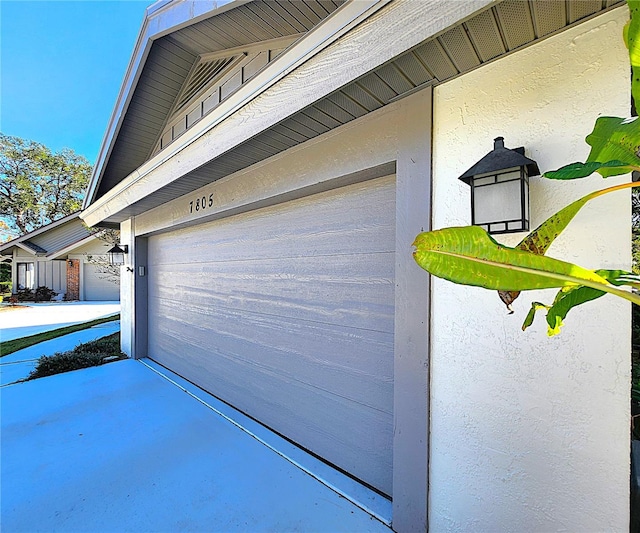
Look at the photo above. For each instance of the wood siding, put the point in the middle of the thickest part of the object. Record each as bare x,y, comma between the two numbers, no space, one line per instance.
52,274
62,236
287,313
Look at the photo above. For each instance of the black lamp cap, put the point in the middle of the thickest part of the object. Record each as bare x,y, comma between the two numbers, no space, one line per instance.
501,158
117,250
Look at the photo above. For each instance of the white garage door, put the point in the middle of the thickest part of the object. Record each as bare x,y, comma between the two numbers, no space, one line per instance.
287,313
99,285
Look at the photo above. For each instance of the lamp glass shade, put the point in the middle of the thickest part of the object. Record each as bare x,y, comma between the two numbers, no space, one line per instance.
116,256
500,202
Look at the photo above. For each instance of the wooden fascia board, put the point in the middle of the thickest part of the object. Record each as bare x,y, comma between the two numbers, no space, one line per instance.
161,18
384,29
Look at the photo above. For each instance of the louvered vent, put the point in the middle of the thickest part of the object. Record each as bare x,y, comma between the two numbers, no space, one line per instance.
201,77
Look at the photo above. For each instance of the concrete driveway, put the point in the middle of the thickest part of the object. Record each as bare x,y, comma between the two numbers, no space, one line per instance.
36,318
121,447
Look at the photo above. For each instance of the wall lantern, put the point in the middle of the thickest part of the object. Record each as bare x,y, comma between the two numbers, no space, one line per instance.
500,189
117,253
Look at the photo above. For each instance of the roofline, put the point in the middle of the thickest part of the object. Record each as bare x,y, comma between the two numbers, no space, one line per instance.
161,18
314,41
27,249
68,248
27,236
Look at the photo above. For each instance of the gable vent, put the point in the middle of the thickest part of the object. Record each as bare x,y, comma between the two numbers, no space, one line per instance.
203,74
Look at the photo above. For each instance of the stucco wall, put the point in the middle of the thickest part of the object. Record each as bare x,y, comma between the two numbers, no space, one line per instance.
530,433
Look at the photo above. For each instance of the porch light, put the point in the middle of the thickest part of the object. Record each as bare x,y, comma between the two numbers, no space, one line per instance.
117,253
500,189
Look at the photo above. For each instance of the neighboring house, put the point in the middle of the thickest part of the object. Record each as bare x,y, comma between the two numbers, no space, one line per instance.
65,257
269,165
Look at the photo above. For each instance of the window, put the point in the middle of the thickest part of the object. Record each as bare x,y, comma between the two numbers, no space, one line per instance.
26,276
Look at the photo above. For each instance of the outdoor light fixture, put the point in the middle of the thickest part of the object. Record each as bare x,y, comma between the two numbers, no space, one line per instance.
117,253
500,189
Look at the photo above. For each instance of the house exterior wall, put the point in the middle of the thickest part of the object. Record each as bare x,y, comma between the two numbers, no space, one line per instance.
51,274
73,279
531,433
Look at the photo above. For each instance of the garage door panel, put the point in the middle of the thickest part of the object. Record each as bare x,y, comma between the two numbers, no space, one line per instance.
287,313
99,286
344,361
285,399
355,290
341,227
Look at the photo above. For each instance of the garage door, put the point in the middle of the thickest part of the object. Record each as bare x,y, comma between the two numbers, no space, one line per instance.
100,285
287,313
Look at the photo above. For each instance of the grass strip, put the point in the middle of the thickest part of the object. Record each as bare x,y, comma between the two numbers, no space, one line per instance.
14,345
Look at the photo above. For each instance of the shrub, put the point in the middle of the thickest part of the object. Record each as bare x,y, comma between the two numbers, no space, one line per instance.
44,294
24,295
82,356
41,294
5,287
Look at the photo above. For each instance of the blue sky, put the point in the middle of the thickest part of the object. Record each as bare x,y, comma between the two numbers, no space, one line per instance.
62,63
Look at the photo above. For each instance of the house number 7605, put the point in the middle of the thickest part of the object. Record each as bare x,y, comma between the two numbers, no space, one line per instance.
201,203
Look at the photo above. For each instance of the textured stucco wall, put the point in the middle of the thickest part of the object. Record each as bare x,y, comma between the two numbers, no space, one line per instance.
530,433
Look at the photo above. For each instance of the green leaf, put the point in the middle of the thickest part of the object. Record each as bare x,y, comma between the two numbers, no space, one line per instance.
535,306
566,299
540,239
570,297
582,170
469,256
631,35
618,140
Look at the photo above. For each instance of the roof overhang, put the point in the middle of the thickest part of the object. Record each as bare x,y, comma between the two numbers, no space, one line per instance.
27,249
69,249
328,62
161,18
331,41
18,240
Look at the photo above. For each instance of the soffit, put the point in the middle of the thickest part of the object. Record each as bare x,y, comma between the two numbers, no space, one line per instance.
172,58
504,28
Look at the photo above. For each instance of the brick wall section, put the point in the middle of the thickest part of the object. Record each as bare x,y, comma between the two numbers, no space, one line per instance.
73,279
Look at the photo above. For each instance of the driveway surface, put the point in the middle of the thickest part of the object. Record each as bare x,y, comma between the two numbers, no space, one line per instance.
120,447
36,318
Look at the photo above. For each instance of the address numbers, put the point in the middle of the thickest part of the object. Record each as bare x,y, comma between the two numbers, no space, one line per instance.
201,203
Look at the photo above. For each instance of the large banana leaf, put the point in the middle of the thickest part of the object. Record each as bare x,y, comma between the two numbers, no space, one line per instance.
469,256
539,240
632,40
615,143
583,170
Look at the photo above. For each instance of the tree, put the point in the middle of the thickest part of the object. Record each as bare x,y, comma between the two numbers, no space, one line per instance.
38,186
107,271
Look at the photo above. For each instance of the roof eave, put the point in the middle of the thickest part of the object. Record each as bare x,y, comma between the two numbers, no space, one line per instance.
161,18
26,236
